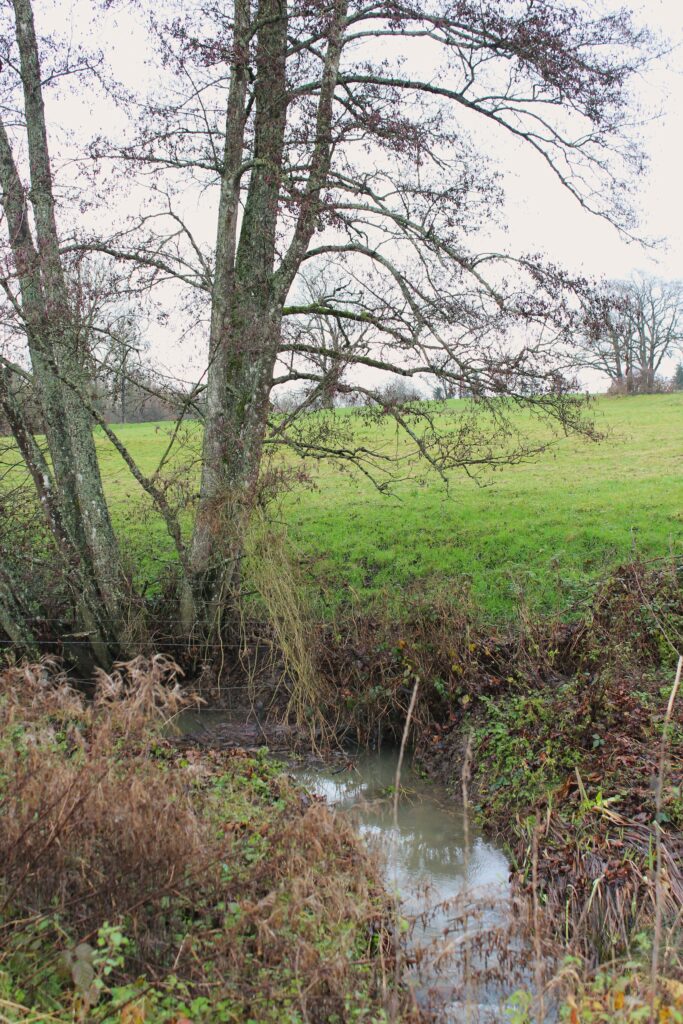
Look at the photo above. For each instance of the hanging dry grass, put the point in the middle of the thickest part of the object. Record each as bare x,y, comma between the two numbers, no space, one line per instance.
274,576
82,804
229,884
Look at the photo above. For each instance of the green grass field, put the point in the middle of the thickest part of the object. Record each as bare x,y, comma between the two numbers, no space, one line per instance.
549,528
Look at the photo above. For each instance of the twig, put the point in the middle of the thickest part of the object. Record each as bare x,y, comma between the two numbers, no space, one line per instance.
404,740
397,790
538,949
466,774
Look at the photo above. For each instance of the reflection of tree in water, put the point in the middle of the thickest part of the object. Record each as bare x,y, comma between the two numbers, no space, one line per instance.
452,895
429,844
420,851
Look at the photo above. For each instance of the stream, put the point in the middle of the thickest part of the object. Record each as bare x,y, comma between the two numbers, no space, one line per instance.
452,884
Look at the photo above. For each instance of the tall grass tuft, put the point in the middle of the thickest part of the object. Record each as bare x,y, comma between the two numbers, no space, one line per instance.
223,891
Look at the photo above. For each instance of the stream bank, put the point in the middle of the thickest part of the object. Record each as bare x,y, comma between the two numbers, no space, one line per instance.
451,883
141,883
463,957
566,723
204,870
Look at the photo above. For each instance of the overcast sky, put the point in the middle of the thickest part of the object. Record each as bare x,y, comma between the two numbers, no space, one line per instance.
583,242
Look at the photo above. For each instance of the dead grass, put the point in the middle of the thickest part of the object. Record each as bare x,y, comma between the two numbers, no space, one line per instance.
230,894
272,573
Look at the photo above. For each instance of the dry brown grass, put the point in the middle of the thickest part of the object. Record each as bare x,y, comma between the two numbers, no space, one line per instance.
89,823
219,872
295,636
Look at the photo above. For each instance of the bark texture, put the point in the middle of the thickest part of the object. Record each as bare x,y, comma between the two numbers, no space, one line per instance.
248,296
69,486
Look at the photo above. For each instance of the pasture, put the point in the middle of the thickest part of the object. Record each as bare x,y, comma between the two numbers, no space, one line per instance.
546,529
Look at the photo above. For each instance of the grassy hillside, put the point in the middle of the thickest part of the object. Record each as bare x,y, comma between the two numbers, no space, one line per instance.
549,527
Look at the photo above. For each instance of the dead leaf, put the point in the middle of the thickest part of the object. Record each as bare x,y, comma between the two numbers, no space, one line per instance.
134,1013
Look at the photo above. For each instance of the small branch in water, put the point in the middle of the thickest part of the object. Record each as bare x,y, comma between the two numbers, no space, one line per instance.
397,790
466,774
538,945
404,740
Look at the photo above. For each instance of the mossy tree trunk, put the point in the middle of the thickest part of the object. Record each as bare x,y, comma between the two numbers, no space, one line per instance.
248,299
70,485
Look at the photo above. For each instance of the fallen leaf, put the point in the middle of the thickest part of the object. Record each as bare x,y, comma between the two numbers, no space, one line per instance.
133,1014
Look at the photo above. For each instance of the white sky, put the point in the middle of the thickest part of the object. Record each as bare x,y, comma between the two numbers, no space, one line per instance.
551,218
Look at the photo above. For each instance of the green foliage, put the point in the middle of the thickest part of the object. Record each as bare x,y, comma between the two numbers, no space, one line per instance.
526,744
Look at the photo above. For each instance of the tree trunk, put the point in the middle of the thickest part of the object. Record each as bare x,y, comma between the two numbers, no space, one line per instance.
247,301
12,620
245,325
59,367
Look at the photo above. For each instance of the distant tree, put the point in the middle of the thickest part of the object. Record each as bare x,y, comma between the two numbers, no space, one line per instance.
629,328
445,389
328,334
399,392
657,317
120,347
678,378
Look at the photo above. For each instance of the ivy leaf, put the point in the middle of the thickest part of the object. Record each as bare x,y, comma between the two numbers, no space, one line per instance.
83,975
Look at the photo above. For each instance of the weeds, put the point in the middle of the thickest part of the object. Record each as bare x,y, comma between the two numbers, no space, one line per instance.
273,575
138,883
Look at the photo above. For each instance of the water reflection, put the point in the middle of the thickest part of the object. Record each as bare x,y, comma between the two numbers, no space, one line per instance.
457,891
426,844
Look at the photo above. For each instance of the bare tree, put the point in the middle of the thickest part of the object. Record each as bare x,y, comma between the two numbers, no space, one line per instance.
329,147
36,287
51,314
629,329
328,142
605,334
657,325
118,348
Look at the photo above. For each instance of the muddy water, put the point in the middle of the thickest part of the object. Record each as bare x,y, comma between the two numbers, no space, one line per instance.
450,882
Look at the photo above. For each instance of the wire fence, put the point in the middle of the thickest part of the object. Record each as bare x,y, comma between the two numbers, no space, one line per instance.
163,630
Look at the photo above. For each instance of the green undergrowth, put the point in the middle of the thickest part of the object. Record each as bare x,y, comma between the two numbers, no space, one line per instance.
567,730
567,776
579,819
585,719
536,748
140,883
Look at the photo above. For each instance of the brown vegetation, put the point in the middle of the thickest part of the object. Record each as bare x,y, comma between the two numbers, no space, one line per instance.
223,882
